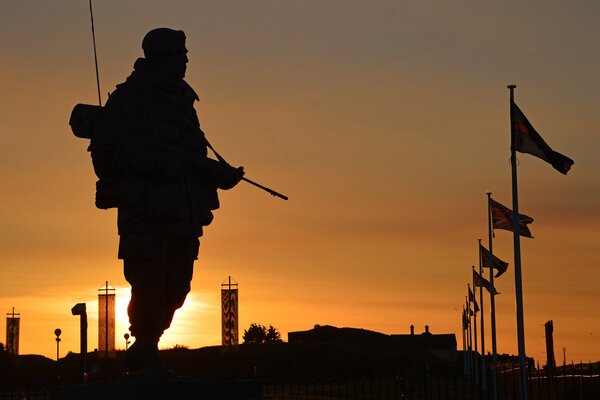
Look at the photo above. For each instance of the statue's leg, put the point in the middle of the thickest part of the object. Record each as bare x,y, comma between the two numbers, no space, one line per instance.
146,271
160,281
182,253
146,310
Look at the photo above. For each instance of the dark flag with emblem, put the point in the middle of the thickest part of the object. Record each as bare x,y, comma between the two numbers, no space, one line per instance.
472,300
502,218
500,265
480,281
527,140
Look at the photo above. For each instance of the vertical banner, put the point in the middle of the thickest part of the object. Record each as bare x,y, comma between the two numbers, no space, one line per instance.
106,322
13,322
229,316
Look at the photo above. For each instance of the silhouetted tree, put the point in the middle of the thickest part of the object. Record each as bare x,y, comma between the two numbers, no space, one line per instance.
255,334
258,334
273,335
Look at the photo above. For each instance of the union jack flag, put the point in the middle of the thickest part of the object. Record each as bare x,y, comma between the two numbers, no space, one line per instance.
502,218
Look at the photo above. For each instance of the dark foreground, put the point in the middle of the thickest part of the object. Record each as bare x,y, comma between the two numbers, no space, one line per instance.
174,389
305,371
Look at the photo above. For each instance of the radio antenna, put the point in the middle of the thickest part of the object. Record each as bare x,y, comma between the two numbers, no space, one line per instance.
95,56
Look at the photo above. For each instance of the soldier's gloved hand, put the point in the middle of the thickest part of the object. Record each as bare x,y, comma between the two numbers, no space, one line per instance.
229,176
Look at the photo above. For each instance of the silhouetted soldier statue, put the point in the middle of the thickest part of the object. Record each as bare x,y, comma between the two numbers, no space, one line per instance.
151,159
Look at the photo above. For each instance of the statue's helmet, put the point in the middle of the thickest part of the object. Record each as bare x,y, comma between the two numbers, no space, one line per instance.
163,41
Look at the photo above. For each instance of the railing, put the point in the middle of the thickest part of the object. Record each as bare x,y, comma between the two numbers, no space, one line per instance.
572,382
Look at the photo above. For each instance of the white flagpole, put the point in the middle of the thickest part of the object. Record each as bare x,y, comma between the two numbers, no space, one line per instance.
483,370
517,252
492,300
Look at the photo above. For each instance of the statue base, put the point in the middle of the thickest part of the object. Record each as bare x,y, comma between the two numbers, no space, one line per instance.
174,389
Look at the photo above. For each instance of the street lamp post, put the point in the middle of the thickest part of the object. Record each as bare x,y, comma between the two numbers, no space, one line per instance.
80,309
57,332
126,336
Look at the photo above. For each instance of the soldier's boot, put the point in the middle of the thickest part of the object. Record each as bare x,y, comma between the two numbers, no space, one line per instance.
142,360
142,352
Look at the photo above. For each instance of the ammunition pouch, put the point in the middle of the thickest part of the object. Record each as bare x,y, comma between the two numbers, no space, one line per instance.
111,193
107,195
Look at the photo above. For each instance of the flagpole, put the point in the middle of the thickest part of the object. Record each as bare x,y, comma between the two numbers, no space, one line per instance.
517,252
472,356
464,329
483,370
469,338
475,363
492,300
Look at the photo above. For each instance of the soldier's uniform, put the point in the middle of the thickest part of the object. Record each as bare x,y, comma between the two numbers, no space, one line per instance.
148,151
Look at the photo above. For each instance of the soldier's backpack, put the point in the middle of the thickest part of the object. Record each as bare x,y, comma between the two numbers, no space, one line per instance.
84,118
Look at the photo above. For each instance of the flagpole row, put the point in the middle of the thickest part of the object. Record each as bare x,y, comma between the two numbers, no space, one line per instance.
524,139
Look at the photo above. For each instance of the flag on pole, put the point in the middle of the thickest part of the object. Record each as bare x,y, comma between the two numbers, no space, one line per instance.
500,265
480,281
527,140
472,300
502,218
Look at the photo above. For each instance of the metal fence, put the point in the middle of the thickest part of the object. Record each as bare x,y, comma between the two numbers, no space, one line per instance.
572,382
32,388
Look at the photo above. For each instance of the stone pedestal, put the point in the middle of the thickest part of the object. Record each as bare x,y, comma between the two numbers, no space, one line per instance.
176,389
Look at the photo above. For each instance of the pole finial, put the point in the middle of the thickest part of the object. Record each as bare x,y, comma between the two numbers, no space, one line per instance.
511,89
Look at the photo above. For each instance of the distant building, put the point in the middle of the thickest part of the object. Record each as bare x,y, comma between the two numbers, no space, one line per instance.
441,346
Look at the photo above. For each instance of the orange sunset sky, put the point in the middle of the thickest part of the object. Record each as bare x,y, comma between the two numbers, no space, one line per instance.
385,122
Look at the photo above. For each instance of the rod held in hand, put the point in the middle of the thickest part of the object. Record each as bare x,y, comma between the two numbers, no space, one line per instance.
270,191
